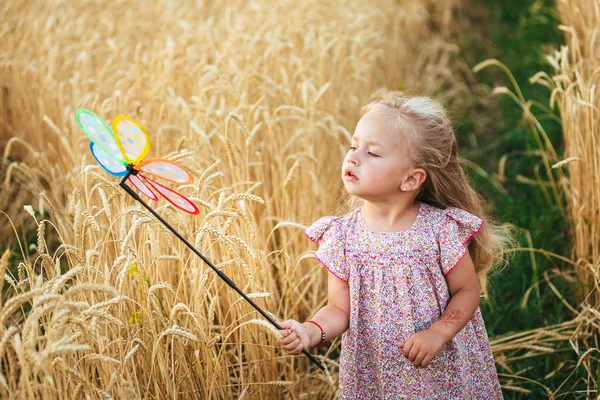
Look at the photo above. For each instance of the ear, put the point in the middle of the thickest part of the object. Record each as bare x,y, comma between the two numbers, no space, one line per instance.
414,180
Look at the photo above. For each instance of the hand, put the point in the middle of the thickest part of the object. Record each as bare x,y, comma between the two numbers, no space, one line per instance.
422,347
294,337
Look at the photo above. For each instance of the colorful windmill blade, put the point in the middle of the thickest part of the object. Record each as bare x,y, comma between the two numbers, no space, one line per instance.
142,187
165,169
177,199
172,172
134,144
106,161
103,144
132,138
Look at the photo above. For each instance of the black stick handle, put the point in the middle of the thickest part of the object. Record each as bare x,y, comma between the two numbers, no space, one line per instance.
219,272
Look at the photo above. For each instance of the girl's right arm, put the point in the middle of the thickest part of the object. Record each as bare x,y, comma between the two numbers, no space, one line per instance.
333,318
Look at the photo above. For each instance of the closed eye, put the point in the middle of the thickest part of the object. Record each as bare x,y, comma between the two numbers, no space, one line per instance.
373,154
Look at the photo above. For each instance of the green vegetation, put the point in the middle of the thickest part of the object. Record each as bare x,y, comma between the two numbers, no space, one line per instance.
520,34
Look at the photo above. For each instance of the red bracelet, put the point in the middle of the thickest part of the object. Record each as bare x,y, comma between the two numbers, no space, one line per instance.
322,334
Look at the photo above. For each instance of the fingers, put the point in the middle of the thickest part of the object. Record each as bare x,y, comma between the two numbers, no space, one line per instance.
290,342
287,324
426,360
286,329
421,348
423,359
414,351
292,347
297,350
419,358
406,347
289,337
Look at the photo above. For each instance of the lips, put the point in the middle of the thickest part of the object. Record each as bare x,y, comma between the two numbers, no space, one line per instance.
349,175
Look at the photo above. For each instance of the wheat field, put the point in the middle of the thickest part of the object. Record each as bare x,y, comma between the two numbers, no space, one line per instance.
258,101
254,99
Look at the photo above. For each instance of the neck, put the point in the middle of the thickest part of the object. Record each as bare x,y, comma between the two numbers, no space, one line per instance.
390,215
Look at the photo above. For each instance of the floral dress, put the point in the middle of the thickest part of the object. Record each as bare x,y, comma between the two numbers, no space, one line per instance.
397,288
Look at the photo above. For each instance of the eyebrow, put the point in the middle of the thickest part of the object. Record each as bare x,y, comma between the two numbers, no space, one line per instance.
368,142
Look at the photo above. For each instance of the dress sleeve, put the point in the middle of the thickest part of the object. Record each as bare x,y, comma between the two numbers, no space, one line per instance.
328,233
457,229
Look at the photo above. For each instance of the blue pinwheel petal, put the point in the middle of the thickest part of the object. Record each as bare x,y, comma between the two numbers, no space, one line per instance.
110,164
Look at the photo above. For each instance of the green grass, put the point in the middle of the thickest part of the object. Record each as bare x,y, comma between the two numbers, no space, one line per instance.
519,34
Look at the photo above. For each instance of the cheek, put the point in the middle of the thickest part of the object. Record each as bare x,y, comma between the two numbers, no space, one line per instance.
387,175
384,170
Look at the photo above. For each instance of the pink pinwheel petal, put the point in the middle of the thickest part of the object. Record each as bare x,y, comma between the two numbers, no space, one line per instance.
173,197
142,187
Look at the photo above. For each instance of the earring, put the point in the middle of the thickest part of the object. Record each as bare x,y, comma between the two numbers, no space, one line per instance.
404,189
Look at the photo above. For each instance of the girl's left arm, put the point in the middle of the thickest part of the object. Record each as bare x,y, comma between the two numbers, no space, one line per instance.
464,289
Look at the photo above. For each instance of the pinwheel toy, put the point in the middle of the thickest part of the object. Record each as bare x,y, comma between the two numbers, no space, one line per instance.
121,151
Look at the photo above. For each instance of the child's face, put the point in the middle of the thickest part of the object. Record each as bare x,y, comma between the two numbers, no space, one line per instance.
376,164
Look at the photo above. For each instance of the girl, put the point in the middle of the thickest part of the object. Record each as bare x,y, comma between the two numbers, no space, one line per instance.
404,266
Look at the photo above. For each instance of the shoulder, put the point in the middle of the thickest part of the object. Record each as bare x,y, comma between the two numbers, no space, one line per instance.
330,226
443,218
463,219
433,215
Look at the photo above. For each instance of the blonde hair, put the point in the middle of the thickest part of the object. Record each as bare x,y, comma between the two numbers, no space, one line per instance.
433,147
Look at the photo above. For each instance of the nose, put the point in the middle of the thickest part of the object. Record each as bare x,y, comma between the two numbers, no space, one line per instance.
353,157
